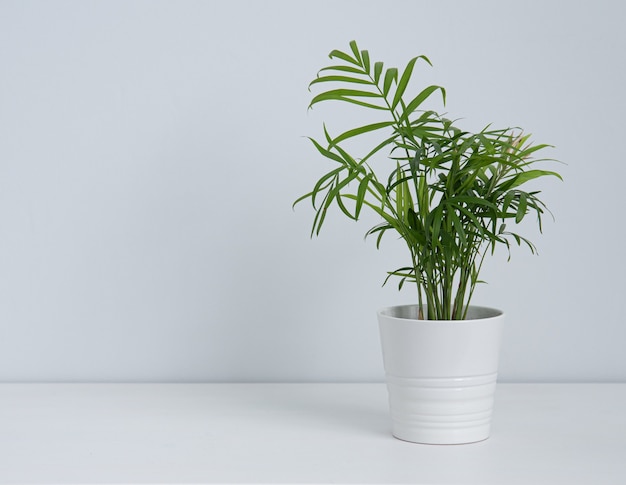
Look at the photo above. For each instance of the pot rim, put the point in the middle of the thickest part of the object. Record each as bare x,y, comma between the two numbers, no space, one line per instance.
391,312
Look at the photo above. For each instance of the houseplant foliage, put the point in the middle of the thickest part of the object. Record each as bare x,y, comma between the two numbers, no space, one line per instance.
449,194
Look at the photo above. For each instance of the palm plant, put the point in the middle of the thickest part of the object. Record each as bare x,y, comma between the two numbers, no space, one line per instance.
449,194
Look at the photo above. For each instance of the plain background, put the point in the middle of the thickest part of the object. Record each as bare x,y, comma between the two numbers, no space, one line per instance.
150,152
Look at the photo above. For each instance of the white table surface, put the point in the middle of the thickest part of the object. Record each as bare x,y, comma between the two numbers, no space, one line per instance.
298,433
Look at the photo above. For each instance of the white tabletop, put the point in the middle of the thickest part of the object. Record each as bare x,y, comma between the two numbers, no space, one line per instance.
298,433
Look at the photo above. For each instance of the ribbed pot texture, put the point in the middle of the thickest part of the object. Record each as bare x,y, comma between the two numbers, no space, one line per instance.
441,374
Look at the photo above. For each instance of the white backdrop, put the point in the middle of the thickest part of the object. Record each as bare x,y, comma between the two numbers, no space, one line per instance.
150,152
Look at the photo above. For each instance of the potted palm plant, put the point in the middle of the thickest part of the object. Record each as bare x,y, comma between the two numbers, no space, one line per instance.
451,196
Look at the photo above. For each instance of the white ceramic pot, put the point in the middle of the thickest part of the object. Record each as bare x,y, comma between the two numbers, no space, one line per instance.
441,374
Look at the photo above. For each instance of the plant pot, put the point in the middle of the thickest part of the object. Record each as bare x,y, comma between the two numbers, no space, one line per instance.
441,374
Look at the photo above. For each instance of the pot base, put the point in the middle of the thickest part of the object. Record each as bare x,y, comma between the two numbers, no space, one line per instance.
441,410
446,440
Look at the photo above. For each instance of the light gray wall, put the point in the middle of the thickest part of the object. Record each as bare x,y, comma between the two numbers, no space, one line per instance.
150,152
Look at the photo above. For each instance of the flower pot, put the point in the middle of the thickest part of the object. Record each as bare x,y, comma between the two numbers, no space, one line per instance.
441,374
